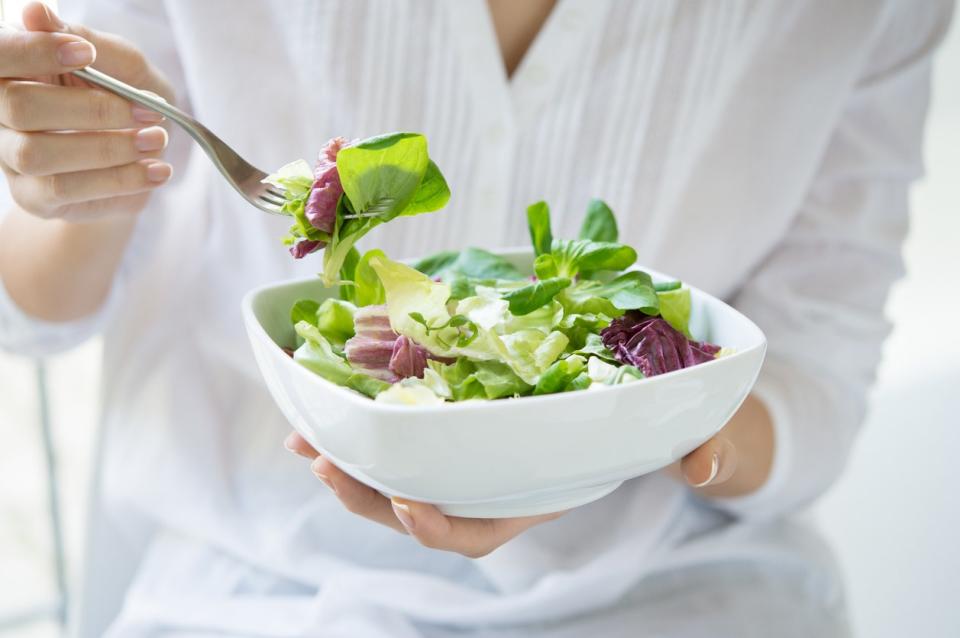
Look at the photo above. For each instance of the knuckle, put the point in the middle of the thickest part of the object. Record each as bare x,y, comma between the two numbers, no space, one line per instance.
118,179
58,188
16,105
104,111
107,150
26,157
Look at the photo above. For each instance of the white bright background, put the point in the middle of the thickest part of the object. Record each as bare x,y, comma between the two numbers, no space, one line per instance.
894,518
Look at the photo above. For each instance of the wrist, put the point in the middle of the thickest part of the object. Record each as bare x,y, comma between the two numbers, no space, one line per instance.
57,270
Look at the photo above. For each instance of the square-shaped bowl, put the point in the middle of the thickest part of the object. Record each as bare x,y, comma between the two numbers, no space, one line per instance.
510,457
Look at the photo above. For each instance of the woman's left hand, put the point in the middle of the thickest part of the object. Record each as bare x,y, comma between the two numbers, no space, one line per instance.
472,537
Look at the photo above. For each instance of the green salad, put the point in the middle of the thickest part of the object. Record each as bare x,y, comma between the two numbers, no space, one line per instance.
469,324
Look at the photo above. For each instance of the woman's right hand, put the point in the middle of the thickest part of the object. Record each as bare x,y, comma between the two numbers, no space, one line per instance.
71,151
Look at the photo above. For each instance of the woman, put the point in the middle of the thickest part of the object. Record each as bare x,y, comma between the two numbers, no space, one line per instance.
762,151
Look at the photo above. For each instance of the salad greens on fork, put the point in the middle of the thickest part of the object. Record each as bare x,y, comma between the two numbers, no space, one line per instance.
468,324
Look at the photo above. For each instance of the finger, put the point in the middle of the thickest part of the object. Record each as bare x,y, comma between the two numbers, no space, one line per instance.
358,498
298,445
115,56
83,212
472,537
37,106
48,196
25,54
42,154
712,463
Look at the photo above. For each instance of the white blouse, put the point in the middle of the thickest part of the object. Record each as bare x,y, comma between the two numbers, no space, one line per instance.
761,151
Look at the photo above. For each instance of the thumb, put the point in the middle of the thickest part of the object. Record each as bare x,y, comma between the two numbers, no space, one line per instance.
39,17
712,463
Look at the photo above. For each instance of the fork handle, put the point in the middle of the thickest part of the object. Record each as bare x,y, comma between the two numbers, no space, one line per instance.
143,98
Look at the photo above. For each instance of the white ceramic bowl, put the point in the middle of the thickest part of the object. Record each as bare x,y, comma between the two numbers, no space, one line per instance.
511,457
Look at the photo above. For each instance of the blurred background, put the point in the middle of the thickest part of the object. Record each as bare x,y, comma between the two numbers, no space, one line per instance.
893,519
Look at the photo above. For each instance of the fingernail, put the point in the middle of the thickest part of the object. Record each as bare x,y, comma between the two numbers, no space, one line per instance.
288,442
76,54
326,481
145,115
402,510
317,468
159,172
53,18
150,139
714,469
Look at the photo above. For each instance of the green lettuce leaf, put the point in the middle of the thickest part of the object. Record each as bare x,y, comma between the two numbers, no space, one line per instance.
560,374
675,309
601,371
417,309
365,384
580,382
382,177
599,224
367,289
479,379
574,256
348,273
317,355
545,318
593,347
433,193
630,291
304,310
334,320
535,295
538,221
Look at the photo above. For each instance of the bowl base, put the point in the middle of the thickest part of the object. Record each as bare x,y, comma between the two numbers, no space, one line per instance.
543,503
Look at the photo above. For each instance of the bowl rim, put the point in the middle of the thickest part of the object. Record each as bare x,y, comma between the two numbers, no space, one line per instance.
256,329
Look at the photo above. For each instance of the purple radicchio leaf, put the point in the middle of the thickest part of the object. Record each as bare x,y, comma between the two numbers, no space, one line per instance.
653,345
408,359
370,349
304,247
378,351
321,206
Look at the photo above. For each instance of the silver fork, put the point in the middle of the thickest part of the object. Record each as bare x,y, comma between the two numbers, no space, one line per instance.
246,179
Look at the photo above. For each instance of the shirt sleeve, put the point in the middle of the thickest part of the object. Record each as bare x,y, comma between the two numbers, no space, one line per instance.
145,24
820,296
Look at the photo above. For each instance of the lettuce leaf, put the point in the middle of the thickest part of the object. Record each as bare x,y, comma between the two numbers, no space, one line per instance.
479,379
417,307
559,376
595,349
382,178
630,291
334,320
317,355
525,300
675,309
599,224
538,222
367,289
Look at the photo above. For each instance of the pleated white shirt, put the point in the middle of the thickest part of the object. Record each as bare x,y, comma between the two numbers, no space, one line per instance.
762,151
